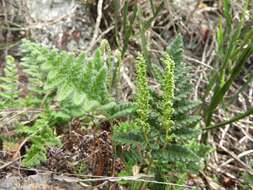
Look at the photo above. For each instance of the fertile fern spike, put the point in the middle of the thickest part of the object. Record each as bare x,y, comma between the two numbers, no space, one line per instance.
168,94
142,97
137,134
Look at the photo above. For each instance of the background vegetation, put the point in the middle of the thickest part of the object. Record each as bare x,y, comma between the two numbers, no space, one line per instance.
157,100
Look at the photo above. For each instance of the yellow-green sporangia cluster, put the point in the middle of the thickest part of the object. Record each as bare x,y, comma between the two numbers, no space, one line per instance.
168,94
142,99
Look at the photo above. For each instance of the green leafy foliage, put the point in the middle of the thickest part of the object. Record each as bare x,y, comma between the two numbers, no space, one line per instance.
80,84
172,148
142,97
183,131
71,77
60,86
9,83
233,51
41,135
167,102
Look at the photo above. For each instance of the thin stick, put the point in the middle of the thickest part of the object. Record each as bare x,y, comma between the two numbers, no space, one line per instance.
126,178
9,163
197,61
97,26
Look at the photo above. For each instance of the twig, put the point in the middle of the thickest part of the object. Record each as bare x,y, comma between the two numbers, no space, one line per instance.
128,80
97,26
114,179
100,37
224,132
16,155
198,61
235,157
9,163
245,153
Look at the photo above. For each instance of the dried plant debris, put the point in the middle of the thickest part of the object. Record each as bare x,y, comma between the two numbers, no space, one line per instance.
84,152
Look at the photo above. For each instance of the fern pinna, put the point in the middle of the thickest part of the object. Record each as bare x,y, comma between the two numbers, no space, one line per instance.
9,84
61,86
172,137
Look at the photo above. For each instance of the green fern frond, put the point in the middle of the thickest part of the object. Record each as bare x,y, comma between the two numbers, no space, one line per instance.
122,110
168,94
35,156
186,107
175,152
142,97
129,138
181,96
185,122
128,133
99,85
9,83
184,134
175,50
64,91
72,78
42,136
78,84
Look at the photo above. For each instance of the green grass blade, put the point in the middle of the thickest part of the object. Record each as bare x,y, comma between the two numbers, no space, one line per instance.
218,96
234,119
128,26
228,14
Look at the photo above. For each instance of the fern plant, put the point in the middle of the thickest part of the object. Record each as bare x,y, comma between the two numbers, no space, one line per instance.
173,148
78,83
42,136
61,86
